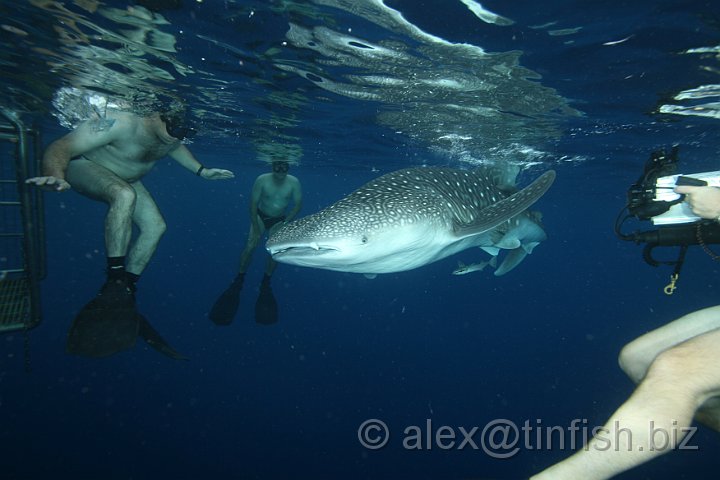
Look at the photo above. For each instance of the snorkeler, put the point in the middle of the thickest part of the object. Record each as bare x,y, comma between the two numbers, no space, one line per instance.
105,160
271,195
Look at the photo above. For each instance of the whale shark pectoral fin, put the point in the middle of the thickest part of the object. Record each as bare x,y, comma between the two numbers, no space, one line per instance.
512,259
495,214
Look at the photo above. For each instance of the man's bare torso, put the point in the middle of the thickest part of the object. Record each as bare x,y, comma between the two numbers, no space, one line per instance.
275,196
141,142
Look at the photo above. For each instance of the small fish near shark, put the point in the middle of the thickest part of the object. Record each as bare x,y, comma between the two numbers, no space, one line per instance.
463,269
415,216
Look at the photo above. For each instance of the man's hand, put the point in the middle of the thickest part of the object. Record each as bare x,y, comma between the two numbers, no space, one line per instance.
216,174
49,183
704,201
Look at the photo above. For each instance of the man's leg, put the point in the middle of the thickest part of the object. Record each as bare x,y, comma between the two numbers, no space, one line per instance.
252,242
151,226
225,307
272,264
658,414
99,183
636,357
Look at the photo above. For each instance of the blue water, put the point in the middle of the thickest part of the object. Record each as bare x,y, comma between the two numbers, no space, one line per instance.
539,344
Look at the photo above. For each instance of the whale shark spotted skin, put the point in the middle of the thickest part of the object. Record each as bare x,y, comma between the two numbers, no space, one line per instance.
412,217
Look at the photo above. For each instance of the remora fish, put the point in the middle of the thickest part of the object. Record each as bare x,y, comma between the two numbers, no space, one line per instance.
409,218
463,269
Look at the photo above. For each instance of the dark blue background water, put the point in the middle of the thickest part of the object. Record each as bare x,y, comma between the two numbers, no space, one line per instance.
284,401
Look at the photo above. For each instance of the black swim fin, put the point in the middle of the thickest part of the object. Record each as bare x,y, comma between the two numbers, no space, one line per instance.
101,329
226,306
266,309
153,338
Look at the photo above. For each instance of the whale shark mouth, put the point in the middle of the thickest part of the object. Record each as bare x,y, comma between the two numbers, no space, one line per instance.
302,250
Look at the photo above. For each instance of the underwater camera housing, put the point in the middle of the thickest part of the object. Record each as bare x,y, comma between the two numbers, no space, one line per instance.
652,198
641,195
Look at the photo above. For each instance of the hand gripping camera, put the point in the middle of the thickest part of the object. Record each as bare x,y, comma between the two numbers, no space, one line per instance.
652,198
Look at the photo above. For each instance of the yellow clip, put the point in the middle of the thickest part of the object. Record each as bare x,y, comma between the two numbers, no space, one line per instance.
670,287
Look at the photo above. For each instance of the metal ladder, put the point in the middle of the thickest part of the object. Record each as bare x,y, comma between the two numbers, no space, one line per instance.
22,237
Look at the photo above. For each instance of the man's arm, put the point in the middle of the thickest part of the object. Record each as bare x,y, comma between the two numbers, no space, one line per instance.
85,138
184,157
704,201
297,200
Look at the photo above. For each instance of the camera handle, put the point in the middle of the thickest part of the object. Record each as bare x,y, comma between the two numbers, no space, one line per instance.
701,234
678,264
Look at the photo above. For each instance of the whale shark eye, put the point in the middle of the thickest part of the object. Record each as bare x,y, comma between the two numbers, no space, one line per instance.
364,239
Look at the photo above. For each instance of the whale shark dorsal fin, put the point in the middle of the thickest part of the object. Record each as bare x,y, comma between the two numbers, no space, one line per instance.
495,214
504,178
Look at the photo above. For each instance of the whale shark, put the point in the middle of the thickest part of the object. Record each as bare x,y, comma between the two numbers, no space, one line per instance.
415,216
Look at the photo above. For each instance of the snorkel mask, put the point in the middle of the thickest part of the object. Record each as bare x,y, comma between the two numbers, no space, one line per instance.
176,125
280,166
